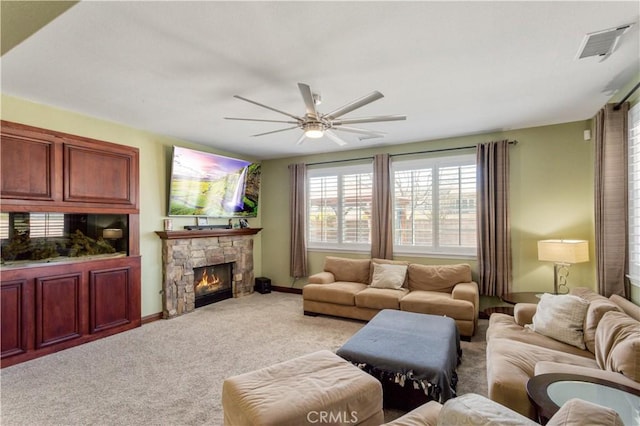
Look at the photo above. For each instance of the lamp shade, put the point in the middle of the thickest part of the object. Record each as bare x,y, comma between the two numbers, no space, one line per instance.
563,251
112,233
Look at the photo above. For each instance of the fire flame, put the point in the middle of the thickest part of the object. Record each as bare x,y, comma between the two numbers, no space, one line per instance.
207,283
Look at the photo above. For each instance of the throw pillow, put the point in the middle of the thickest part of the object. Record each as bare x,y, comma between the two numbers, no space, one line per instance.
618,344
388,275
561,317
390,262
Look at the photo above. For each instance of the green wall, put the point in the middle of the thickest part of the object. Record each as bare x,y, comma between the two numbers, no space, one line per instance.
551,197
155,154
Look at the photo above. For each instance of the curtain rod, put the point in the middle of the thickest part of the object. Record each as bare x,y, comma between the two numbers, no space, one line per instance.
401,154
619,104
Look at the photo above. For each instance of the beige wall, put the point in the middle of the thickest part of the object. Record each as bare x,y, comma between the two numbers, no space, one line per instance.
551,197
155,154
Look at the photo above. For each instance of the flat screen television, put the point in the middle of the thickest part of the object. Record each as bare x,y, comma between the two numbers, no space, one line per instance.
210,185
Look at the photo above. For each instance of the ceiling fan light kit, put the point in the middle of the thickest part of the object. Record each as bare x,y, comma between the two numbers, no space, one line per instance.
316,125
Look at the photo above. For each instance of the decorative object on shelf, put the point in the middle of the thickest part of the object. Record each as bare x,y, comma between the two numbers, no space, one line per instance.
168,225
202,221
563,253
243,223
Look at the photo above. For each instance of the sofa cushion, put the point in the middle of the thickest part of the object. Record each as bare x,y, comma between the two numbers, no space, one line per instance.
340,293
618,344
504,326
388,275
350,270
380,298
597,308
561,317
437,277
511,364
375,261
437,303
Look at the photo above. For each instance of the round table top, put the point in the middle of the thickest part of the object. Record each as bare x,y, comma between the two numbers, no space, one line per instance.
550,391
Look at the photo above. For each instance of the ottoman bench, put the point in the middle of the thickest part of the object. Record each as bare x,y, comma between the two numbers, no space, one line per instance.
414,356
318,388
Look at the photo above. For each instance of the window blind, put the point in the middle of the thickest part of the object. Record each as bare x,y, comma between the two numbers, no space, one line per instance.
634,194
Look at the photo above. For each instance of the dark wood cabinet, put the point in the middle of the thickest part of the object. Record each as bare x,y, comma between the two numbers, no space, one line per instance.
43,170
14,324
27,168
50,306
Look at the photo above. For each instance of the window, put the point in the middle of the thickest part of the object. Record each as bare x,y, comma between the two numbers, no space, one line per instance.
435,205
38,225
339,207
634,194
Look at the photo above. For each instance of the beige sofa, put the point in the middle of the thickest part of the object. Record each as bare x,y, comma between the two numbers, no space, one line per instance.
351,288
472,409
515,353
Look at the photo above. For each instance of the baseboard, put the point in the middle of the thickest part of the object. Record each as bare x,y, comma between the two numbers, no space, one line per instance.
151,318
286,289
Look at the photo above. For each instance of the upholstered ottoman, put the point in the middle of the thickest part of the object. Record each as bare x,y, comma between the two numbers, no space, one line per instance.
318,388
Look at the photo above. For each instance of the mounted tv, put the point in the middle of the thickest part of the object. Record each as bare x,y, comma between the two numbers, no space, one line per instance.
205,184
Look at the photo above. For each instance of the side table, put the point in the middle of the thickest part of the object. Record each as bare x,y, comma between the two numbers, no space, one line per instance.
550,391
522,297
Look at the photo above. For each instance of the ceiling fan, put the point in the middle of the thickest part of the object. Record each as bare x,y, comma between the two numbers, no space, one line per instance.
315,124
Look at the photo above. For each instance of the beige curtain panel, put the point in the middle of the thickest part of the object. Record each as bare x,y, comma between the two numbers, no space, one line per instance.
381,214
297,209
494,229
611,208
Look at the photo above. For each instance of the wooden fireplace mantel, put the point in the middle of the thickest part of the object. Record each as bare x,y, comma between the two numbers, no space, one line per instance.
206,233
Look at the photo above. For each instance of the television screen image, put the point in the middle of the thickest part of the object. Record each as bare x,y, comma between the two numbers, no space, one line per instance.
205,184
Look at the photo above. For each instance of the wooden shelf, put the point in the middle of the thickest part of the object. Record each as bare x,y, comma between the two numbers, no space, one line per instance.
178,235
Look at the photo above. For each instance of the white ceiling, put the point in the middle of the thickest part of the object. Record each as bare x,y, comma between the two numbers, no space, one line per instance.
454,68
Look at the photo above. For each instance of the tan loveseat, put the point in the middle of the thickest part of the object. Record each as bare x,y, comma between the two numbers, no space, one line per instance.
515,353
351,288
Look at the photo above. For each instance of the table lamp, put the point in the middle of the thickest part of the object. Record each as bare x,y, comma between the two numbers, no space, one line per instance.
563,253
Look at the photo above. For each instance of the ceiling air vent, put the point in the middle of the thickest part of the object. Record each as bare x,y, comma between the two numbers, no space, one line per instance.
601,43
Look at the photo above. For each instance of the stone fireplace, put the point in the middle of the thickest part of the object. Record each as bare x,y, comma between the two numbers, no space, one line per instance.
185,251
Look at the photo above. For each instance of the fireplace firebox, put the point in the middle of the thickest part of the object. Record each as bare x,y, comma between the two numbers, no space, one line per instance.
212,283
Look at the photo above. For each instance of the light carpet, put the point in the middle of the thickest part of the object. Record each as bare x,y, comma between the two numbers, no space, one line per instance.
170,372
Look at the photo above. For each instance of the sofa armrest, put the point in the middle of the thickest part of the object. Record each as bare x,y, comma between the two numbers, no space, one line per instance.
575,412
467,291
322,278
523,313
547,367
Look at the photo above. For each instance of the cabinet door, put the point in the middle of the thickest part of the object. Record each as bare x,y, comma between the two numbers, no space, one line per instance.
94,175
13,315
58,309
110,293
27,168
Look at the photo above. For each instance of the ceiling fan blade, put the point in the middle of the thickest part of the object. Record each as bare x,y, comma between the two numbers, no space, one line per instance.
259,119
334,137
307,96
369,119
365,137
358,103
302,138
267,107
276,131
371,133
